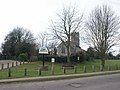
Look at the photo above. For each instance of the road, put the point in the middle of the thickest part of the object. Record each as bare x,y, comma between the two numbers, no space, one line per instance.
107,82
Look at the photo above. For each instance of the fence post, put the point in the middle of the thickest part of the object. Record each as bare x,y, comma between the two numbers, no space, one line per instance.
39,72
9,72
84,68
52,70
75,69
25,72
12,64
7,65
2,67
64,70
52,67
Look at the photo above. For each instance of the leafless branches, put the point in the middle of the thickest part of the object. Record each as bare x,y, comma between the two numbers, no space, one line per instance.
69,22
103,26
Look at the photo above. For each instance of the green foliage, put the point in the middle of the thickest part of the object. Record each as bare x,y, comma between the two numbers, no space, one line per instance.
18,41
90,53
82,56
1,56
111,56
63,59
23,57
117,56
59,59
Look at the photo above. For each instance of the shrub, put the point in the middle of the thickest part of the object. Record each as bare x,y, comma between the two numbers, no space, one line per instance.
23,57
82,56
63,59
47,58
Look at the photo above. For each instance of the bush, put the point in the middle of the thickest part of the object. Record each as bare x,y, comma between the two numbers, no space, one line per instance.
63,59
73,58
47,58
81,55
23,57
59,59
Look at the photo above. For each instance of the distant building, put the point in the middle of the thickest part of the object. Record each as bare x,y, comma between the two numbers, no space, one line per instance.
74,48
53,51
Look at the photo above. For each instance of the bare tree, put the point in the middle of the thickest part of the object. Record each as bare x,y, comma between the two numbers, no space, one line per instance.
52,47
42,39
68,22
102,30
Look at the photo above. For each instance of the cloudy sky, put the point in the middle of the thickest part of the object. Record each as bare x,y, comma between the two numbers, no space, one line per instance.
36,15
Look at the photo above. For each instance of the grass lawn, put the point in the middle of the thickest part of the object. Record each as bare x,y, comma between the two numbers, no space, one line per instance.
33,67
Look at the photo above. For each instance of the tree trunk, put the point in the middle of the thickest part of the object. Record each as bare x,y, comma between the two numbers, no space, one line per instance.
103,62
68,50
68,54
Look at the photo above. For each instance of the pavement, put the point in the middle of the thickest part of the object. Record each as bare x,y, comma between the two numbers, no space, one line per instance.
59,77
5,62
104,82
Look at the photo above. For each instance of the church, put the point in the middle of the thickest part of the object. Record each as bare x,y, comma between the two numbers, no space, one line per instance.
74,46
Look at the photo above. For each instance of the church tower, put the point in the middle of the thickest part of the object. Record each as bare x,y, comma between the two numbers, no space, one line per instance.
75,39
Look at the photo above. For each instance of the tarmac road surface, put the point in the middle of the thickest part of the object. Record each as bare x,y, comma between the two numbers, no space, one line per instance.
106,82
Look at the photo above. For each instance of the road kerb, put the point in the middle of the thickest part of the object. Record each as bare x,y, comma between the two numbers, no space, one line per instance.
59,77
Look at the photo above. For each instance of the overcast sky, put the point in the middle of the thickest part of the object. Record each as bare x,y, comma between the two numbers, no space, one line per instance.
36,15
